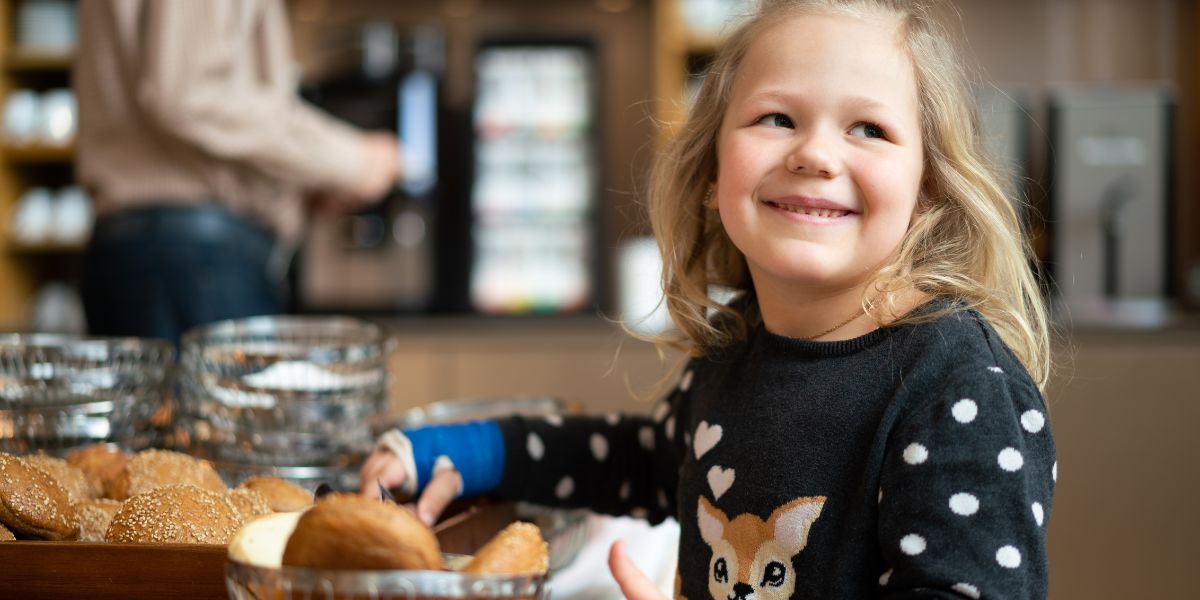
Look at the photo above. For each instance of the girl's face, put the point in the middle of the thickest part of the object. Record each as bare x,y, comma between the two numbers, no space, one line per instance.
820,153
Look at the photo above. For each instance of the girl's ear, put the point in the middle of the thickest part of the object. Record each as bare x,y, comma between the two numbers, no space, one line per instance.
710,197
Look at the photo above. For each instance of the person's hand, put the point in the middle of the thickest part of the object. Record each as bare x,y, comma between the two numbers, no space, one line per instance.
381,167
384,467
634,584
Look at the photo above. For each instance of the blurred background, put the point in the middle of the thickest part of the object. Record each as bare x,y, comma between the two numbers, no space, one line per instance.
517,237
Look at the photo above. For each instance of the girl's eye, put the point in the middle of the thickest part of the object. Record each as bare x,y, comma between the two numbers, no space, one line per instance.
777,120
867,130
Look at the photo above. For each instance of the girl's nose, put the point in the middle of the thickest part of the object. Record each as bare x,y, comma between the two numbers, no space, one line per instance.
813,155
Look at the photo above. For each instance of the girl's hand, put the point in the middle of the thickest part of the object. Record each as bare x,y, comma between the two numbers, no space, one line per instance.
384,467
634,584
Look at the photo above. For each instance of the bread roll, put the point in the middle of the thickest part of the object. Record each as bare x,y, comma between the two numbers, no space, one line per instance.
70,477
33,504
261,542
176,514
250,503
95,517
153,469
282,494
100,463
348,531
517,550
6,535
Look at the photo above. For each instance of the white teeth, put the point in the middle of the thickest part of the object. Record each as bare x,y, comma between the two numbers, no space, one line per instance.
824,213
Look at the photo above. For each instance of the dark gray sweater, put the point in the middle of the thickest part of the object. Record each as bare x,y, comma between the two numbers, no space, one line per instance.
913,462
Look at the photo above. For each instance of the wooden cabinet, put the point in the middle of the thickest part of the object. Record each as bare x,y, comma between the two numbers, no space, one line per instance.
23,267
681,56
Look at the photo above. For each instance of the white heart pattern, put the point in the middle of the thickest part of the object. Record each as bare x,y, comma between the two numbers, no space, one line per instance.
707,436
719,480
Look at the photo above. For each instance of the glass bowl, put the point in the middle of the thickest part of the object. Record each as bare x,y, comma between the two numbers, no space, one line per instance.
59,392
284,390
248,582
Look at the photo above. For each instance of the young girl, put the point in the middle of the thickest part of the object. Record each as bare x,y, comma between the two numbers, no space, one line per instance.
866,417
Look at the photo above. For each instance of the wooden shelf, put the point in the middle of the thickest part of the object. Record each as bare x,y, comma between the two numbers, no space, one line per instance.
39,154
25,61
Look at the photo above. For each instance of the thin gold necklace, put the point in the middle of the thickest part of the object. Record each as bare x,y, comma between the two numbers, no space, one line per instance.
858,314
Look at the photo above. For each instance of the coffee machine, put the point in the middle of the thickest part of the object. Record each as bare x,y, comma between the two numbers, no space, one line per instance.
380,259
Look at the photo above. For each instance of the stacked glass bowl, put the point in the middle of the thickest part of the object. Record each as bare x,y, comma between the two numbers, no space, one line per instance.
59,392
290,396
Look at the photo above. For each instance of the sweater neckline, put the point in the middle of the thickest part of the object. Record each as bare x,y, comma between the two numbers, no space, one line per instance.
792,345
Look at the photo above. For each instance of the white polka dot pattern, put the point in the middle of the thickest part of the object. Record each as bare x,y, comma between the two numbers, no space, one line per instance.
883,579
660,411
1038,514
554,420
1033,421
599,446
623,493
1008,557
639,513
915,454
964,504
912,544
646,438
534,445
880,496
964,410
996,369
1054,471
685,384
565,487
662,499
669,428
612,418
1010,460
967,590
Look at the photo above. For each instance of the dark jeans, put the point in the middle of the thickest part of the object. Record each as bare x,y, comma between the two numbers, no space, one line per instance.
156,272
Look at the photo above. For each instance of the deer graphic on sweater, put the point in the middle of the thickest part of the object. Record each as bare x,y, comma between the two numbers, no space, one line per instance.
752,559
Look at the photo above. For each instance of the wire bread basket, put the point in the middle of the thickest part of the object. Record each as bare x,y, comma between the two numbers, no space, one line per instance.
283,391
247,582
59,392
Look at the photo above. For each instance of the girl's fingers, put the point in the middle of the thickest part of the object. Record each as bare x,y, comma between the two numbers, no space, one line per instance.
634,584
442,489
383,466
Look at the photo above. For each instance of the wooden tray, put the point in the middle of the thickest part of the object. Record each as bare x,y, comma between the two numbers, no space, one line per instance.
67,570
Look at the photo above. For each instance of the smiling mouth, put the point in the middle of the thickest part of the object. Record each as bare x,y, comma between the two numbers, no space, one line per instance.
824,213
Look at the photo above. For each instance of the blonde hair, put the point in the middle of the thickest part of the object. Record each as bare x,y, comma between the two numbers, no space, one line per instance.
967,243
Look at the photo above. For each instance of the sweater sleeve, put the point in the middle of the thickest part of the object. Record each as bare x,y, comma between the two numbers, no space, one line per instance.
616,464
196,84
965,492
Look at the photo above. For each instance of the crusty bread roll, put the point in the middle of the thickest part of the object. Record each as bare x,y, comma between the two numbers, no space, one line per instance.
33,504
517,550
100,463
152,469
250,503
348,531
282,494
6,535
261,542
176,514
70,477
95,517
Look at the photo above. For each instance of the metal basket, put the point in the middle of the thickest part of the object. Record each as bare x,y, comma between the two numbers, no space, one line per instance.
284,391
59,392
247,582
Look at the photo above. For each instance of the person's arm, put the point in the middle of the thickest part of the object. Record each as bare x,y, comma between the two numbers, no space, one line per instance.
965,492
197,84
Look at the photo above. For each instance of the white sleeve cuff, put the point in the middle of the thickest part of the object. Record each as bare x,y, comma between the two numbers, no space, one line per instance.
402,447
443,463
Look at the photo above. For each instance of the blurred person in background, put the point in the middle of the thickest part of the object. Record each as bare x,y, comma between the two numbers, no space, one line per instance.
200,156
